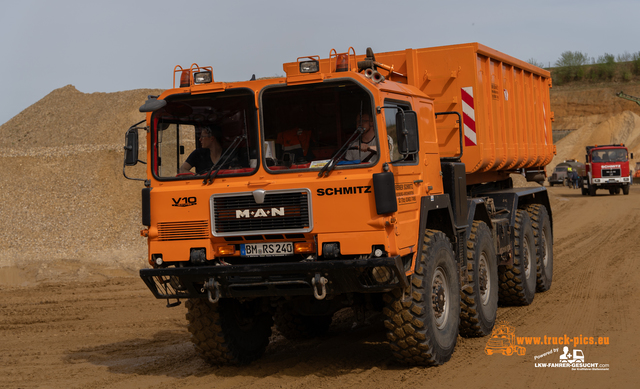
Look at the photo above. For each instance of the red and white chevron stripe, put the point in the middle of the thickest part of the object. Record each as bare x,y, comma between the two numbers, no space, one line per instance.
469,117
544,116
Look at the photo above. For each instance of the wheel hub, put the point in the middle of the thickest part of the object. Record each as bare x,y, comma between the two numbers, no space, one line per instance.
439,298
483,279
526,259
546,249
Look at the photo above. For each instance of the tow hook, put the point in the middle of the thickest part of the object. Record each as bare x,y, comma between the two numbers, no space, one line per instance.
212,285
319,288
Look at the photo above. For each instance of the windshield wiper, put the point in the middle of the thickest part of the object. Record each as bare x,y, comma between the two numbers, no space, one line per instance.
211,174
326,169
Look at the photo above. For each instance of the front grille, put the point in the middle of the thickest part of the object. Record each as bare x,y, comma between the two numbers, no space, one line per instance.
198,229
280,212
610,172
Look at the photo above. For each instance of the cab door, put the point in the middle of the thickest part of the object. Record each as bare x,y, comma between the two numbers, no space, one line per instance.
408,178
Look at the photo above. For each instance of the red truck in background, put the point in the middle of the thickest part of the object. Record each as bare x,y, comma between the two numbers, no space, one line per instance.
607,167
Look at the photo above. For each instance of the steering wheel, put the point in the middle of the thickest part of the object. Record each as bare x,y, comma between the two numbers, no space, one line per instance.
372,153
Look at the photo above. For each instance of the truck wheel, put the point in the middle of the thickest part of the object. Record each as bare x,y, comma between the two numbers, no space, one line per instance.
422,322
544,245
550,183
518,281
625,189
617,190
592,190
228,332
293,325
479,297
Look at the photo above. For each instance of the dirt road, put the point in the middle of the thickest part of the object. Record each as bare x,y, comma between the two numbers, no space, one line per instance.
110,332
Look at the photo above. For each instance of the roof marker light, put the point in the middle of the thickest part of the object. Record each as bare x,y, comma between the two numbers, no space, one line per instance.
185,79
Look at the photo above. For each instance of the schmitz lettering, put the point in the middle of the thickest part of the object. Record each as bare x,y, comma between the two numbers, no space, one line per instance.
345,190
249,213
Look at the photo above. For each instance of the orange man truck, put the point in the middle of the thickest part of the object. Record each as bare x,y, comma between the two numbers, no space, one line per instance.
372,182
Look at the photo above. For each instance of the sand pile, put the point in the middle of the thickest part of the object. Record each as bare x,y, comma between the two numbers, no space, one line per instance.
63,194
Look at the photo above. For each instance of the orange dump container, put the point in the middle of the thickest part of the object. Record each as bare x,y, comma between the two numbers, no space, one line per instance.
504,102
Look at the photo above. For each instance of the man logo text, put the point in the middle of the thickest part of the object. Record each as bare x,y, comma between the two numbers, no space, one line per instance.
259,213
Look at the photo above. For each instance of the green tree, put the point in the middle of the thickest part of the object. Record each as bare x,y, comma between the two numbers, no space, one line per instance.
635,63
606,66
570,66
533,62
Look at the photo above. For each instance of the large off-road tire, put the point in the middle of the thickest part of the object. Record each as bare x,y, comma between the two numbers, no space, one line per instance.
293,325
422,321
518,281
228,332
625,189
544,244
479,295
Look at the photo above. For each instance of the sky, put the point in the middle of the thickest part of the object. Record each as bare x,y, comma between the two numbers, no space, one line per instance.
111,46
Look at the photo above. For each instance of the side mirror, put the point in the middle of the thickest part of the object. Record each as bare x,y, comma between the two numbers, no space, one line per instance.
631,155
131,147
407,132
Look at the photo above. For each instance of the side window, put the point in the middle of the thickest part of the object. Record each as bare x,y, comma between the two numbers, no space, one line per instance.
188,139
167,144
175,144
390,110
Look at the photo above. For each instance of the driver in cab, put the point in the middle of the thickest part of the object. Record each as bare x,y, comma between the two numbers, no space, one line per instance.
364,148
207,155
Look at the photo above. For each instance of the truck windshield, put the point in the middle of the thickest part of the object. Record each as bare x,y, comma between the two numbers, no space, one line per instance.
609,155
191,134
305,126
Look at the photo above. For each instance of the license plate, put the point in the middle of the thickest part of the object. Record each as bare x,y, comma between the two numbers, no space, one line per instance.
266,249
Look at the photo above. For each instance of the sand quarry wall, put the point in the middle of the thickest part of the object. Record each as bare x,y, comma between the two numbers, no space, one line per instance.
64,197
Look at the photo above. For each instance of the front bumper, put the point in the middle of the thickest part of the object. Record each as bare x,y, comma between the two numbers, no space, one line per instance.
611,181
277,279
